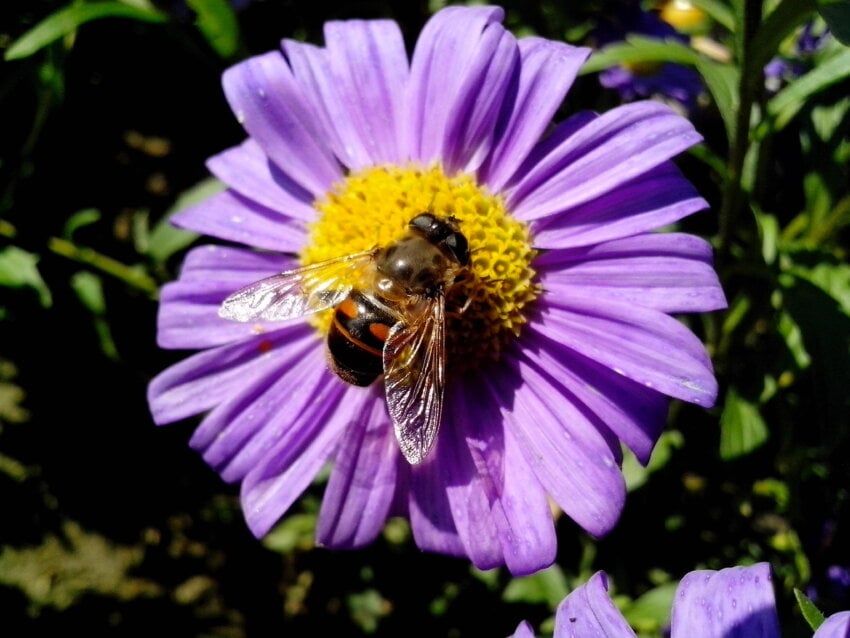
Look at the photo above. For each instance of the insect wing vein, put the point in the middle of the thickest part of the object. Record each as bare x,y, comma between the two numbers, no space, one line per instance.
414,378
297,292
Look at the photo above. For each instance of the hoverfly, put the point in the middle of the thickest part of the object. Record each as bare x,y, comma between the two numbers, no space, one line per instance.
389,318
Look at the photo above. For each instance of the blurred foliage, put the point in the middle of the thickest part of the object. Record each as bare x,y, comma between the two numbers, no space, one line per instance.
59,571
814,617
112,526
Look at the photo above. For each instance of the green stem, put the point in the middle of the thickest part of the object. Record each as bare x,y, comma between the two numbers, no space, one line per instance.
733,191
108,265
822,232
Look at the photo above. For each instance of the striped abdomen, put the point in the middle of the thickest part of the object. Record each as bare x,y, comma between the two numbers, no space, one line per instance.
356,338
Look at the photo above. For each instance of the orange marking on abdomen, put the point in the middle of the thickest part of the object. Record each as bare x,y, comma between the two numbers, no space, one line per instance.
380,331
348,308
347,335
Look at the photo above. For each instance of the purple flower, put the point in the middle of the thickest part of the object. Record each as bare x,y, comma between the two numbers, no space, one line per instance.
737,602
783,69
838,576
836,626
642,80
567,348
732,602
833,584
587,612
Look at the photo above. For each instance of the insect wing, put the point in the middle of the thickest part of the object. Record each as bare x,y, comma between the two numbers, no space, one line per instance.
297,292
414,378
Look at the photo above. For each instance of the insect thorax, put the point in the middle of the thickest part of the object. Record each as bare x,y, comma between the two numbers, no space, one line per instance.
417,265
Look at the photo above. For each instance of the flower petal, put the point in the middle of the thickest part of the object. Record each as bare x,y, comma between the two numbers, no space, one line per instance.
221,263
588,612
188,316
670,272
311,68
188,310
471,123
369,67
444,50
362,485
634,413
208,378
605,153
431,517
249,172
523,630
232,217
467,499
836,626
307,409
272,107
657,198
517,503
736,602
235,436
292,461
642,344
547,72
567,453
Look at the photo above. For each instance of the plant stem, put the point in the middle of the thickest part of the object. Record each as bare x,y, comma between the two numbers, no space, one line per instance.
733,191
108,265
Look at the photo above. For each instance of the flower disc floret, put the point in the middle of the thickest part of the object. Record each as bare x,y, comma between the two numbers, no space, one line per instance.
373,208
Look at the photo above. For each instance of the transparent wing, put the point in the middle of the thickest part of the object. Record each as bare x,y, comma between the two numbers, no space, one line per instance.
297,292
414,377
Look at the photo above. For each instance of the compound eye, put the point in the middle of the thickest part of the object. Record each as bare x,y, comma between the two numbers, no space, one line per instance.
459,247
423,223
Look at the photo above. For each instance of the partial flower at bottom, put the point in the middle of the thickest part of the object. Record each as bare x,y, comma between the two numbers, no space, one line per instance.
736,602
567,348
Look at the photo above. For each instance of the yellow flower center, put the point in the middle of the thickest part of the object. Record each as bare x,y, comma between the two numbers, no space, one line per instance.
373,208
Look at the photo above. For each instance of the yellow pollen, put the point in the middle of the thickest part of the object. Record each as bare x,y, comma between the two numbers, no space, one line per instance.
373,208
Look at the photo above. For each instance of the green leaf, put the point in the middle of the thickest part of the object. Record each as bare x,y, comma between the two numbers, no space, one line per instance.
812,614
367,608
832,278
722,83
89,289
639,49
742,428
718,11
790,332
77,564
769,232
651,611
547,587
637,475
782,108
78,220
294,532
775,490
165,239
836,13
217,23
18,270
826,118
68,19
